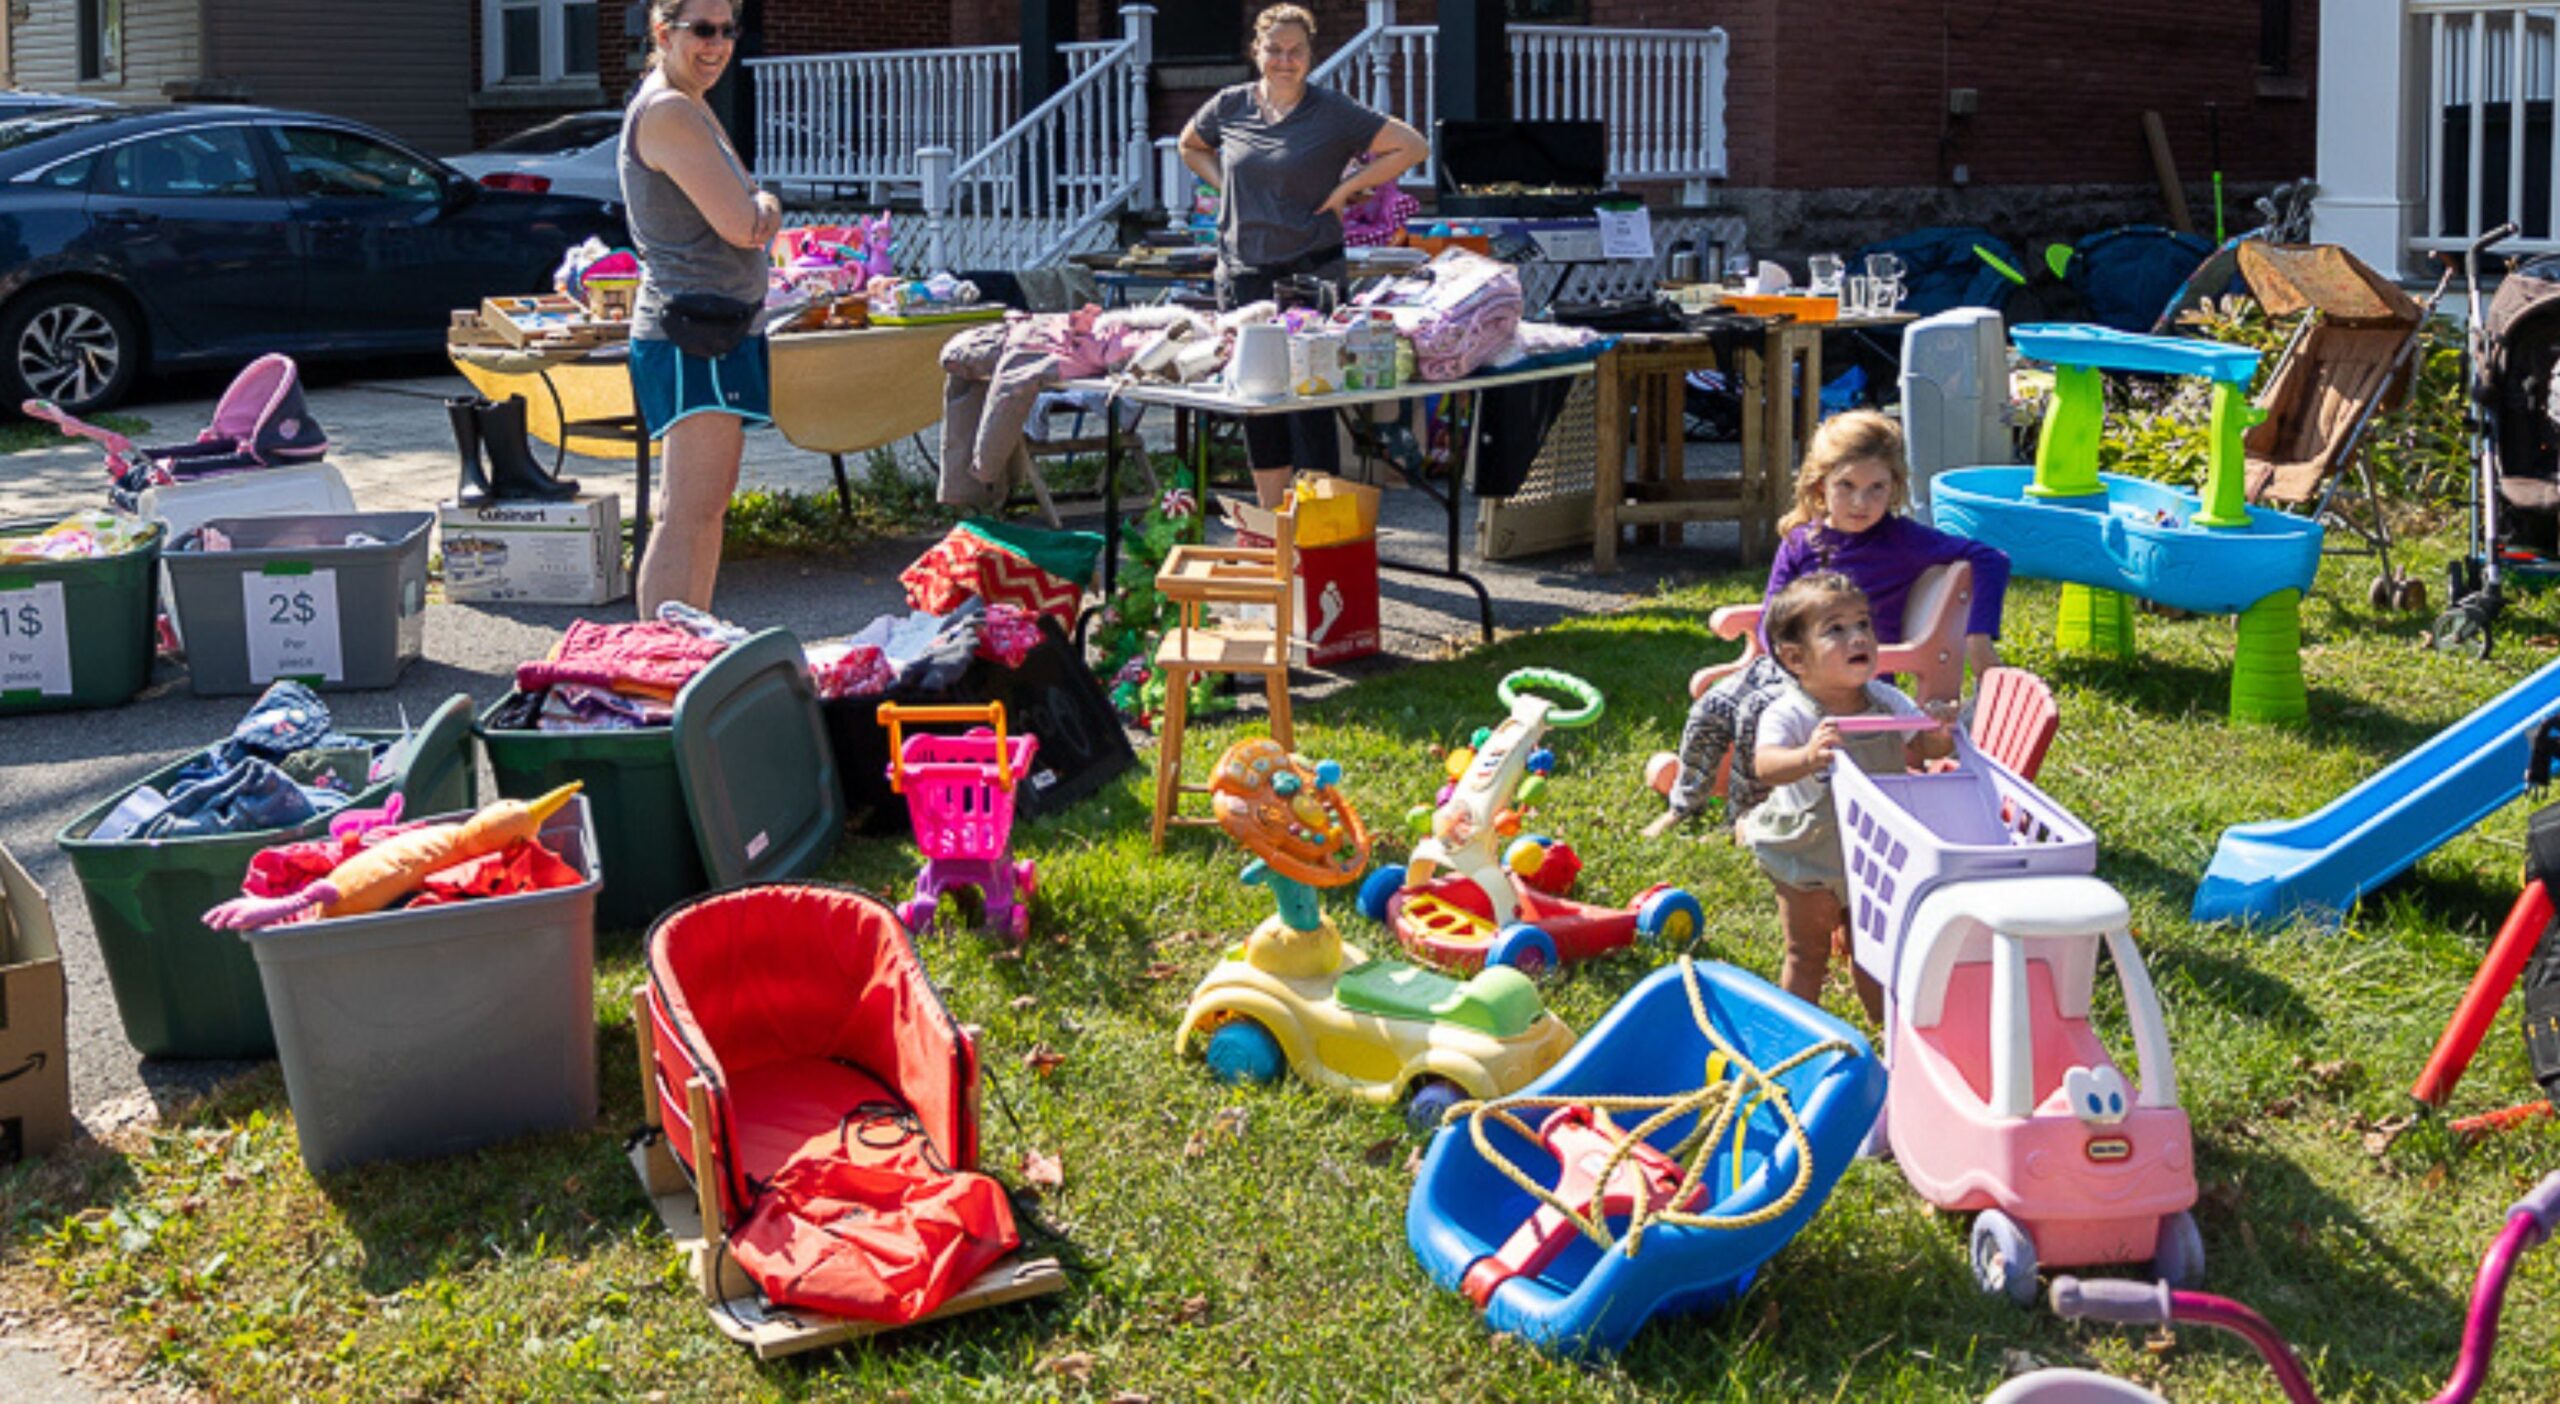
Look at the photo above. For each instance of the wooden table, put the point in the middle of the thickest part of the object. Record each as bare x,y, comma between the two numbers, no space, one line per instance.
1641,379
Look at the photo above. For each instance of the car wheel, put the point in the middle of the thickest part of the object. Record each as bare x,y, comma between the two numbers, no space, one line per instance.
1244,1051
69,343
1524,948
1430,1102
1381,888
2179,1257
2004,1258
1672,917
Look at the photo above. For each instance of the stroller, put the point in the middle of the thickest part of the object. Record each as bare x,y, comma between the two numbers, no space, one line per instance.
2513,360
2354,355
261,422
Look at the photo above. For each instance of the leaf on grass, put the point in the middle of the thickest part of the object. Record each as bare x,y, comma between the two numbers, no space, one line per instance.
2014,1361
1189,935
1075,1365
2336,1072
1163,970
1131,1396
2283,1107
1413,1162
1383,1151
1229,1122
1026,1002
1192,1312
2161,1341
1042,1170
2379,1136
1043,1059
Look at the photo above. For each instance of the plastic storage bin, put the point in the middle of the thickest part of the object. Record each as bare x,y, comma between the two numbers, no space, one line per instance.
290,600
76,633
1903,835
183,989
409,1034
643,835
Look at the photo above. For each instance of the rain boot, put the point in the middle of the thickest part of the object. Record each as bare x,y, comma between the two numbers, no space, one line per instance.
513,473
474,487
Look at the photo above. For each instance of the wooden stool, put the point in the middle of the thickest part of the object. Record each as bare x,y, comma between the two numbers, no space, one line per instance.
1194,576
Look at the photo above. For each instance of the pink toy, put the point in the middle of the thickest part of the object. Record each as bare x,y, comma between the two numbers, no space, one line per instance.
960,793
1972,905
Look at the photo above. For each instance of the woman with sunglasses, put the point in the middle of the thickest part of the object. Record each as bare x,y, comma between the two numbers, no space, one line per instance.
698,365
1275,150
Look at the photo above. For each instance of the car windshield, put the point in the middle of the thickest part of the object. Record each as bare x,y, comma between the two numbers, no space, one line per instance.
26,131
557,138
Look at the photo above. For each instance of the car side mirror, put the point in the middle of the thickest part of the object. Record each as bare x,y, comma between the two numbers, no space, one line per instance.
460,190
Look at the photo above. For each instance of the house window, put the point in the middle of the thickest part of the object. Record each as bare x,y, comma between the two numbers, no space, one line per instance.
537,41
101,39
2275,37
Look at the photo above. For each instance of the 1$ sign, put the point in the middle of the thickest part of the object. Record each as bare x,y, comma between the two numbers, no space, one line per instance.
35,639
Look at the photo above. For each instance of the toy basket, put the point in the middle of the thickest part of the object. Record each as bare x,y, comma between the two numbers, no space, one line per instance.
961,803
1903,835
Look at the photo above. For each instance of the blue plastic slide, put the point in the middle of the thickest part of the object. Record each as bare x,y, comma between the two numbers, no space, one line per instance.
2372,833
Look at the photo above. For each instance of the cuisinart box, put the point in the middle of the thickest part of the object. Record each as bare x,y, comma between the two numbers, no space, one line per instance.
533,552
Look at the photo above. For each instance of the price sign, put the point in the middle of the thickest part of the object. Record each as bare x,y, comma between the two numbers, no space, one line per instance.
292,614
1625,232
35,639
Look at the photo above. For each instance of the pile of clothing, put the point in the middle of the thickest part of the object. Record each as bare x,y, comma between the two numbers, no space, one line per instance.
615,677
1460,311
78,537
926,650
994,375
284,765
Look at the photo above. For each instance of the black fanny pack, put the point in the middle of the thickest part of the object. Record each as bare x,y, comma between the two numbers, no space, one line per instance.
707,324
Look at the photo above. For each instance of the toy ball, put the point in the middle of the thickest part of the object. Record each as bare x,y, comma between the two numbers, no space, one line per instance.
1525,854
1662,772
1447,793
1328,774
1418,819
1483,734
1507,822
1532,788
1542,761
1558,867
1459,760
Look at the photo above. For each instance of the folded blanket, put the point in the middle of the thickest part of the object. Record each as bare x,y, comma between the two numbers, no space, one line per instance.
651,659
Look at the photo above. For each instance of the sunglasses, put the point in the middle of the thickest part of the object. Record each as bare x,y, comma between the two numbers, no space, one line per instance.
706,31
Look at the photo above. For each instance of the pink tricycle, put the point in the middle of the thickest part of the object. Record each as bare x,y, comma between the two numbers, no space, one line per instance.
960,793
1971,903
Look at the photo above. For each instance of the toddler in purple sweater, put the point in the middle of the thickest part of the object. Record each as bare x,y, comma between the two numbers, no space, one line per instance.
1850,493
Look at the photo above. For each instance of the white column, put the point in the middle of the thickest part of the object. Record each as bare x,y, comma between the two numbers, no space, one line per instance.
2368,165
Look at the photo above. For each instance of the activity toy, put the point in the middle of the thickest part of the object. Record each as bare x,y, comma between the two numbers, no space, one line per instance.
1503,899
960,797
1669,1156
2110,538
381,875
1294,995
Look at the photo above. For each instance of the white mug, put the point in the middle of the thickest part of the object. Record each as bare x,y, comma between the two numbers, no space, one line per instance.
1259,370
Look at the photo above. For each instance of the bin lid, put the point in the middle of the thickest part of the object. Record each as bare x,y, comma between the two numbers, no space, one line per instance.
759,777
438,748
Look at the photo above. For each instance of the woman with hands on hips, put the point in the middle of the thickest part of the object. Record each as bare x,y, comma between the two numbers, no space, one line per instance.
1275,150
699,370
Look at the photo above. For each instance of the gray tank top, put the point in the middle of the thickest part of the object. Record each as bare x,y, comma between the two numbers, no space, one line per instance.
683,253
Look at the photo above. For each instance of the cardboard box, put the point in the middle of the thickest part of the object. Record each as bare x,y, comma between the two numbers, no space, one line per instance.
534,552
35,1082
1337,580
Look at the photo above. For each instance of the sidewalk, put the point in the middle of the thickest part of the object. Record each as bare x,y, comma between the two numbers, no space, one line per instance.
390,439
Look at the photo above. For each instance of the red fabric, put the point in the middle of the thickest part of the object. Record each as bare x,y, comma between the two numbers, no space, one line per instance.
645,659
766,982
942,578
888,1239
520,867
1005,578
964,564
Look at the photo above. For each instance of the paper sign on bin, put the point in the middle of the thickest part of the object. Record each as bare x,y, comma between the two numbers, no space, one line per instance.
35,639
292,616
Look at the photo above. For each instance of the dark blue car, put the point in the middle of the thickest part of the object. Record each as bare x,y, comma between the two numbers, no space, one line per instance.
167,236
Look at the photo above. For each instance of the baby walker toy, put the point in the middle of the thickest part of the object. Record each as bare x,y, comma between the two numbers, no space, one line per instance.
1741,1105
1970,902
1503,899
960,792
2530,1222
1295,996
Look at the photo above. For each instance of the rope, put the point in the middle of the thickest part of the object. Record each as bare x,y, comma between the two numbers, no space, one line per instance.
1719,1106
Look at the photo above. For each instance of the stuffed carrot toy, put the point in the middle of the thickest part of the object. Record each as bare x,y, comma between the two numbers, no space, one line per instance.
392,869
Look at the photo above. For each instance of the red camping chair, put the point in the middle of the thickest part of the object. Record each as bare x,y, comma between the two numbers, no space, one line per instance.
806,1075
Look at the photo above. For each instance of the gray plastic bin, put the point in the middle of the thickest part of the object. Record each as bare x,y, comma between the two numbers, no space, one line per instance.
410,1034
292,572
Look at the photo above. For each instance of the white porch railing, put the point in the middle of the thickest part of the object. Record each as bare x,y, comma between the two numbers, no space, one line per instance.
1050,183
858,120
1661,91
2483,127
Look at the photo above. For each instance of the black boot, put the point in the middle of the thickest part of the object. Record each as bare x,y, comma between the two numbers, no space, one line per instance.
474,488
513,473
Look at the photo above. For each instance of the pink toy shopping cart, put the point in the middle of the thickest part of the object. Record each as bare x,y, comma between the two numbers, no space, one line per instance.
960,793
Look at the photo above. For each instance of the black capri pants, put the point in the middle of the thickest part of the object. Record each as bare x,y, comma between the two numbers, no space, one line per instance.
1306,439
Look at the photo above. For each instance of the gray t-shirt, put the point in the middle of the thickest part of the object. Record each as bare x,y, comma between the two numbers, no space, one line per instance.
679,250
1274,174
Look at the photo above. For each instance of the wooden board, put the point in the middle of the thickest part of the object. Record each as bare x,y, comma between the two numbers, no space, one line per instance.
739,1311
525,320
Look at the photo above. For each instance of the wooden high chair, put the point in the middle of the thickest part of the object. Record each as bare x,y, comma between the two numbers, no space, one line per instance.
1196,576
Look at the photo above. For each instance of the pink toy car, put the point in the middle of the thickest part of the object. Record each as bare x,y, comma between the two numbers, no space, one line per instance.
1971,903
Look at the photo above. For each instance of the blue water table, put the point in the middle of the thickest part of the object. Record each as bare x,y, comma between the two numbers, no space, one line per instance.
1675,1150
2109,538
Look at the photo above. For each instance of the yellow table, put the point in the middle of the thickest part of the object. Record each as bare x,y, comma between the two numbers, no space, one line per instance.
834,392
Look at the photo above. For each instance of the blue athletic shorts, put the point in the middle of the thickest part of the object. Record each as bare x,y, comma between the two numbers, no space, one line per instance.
669,384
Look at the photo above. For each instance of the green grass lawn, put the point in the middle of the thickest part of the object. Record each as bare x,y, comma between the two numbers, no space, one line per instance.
1250,1242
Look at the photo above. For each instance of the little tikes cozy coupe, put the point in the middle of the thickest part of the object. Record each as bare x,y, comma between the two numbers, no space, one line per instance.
823,1103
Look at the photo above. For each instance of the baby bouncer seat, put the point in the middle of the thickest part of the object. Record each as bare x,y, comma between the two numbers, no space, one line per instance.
818,1111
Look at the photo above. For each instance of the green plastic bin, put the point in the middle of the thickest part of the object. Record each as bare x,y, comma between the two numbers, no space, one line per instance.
635,796
183,989
77,633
